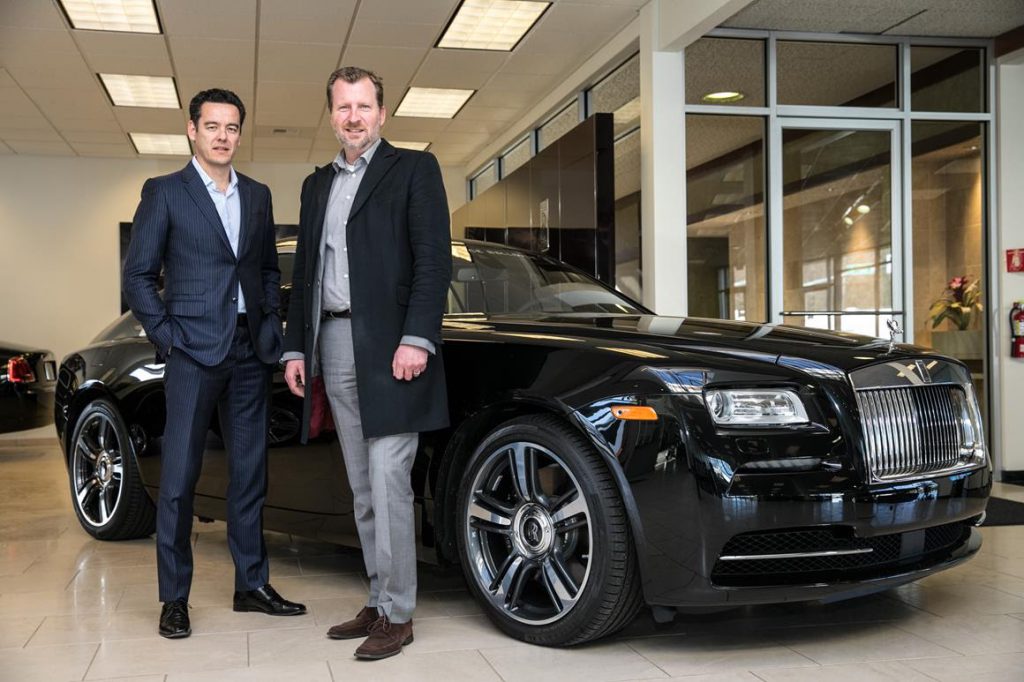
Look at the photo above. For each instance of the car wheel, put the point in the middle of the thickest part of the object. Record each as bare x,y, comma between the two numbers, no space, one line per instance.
544,539
106,489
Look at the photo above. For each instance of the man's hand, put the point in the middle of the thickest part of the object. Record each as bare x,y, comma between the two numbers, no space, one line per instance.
409,362
295,376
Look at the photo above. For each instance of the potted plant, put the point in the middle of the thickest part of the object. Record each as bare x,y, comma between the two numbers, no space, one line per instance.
957,305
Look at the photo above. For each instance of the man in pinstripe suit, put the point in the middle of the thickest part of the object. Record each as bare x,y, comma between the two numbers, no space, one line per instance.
211,230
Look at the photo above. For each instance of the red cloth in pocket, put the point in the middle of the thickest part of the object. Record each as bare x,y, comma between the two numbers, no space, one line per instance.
320,417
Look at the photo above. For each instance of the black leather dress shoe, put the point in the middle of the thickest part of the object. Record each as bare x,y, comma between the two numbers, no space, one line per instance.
174,620
267,600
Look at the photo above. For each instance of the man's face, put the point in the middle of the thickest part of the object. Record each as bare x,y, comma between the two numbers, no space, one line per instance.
217,136
355,116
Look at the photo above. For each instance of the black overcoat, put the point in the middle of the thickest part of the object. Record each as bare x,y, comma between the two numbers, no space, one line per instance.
399,256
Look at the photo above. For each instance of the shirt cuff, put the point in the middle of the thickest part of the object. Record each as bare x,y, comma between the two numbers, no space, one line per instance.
292,355
419,342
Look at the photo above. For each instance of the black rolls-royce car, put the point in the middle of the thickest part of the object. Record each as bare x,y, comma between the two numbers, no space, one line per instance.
28,376
600,456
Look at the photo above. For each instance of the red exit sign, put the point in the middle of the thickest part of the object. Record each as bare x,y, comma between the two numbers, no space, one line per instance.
1015,260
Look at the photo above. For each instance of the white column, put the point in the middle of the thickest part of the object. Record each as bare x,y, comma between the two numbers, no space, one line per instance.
662,174
1008,442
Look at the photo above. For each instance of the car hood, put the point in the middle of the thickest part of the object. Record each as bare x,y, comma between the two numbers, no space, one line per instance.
809,350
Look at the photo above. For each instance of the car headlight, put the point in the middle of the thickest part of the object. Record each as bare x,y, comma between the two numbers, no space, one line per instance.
972,443
755,407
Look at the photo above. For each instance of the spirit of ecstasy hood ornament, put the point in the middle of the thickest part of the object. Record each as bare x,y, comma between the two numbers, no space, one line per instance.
894,330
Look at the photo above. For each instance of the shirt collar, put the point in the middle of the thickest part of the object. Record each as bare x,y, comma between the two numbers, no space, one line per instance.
340,161
209,182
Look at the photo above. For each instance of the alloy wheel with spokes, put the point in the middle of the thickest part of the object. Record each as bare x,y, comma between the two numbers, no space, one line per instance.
107,493
544,539
529,530
97,469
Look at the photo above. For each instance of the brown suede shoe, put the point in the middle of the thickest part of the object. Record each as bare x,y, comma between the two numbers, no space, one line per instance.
357,627
386,639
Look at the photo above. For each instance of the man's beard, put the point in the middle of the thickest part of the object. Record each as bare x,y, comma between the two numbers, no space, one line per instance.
358,148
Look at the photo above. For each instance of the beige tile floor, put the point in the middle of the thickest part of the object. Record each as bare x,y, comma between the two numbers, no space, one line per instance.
72,608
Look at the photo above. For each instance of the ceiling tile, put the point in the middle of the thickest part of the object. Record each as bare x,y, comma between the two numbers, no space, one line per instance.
70,124
315,21
18,41
138,120
50,70
83,102
220,19
103,149
27,128
297,62
189,87
385,34
469,69
94,137
210,59
396,65
400,127
281,155
545,63
130,53
476,112
31,14
49,148
420,12
282,142
582,18
14,102
4,149
513,85
289,104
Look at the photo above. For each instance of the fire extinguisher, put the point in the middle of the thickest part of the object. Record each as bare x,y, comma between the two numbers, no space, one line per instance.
1017,330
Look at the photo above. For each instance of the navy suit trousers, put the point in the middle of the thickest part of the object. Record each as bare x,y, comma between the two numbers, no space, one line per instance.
238,388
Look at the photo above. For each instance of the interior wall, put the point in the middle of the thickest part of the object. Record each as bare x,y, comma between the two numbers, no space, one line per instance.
1010,175
59,218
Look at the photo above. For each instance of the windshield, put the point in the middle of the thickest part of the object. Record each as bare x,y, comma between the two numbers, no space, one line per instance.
495,280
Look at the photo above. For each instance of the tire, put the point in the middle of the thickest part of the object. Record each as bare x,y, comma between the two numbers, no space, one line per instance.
550,556
106,489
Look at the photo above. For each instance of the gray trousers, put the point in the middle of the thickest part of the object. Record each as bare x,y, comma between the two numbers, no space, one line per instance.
379,472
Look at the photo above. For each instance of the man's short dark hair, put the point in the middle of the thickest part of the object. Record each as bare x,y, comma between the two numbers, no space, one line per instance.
217,96
354,74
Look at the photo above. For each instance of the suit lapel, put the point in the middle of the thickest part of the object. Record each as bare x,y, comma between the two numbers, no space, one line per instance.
384,158
245,225
201,196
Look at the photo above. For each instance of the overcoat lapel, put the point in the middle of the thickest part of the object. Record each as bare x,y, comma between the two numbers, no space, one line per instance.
321,192
381,163
197,190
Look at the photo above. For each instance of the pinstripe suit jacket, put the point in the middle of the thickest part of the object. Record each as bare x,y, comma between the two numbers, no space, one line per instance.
177,227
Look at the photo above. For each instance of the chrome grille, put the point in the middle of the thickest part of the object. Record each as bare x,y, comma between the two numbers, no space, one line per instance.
915,430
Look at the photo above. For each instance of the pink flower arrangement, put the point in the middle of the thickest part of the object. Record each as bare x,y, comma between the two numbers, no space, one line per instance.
957,304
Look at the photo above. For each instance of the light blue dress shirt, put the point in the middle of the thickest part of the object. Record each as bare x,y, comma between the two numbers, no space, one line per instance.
229,208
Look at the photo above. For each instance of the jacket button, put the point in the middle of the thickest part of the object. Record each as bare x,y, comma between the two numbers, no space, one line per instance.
234,299
309,326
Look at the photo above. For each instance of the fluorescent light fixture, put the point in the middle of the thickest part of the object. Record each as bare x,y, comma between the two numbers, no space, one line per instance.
433,102
723,97
141,91
419,146
133,16
160,143
491,24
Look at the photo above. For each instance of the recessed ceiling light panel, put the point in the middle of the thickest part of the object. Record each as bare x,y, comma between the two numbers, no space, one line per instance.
491,24
141,91
133,16
159,143
723,97
433,102
401,144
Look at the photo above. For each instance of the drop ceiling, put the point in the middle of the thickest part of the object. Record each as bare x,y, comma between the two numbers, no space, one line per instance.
276,54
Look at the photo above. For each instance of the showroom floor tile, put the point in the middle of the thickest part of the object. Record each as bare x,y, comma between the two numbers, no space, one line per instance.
72,608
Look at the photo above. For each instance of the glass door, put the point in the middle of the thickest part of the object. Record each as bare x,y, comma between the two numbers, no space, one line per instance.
836,252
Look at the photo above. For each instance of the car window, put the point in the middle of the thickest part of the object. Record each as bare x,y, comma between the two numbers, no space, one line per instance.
494,280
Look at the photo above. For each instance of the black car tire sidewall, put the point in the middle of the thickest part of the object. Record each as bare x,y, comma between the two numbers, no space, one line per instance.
134,515
593,615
